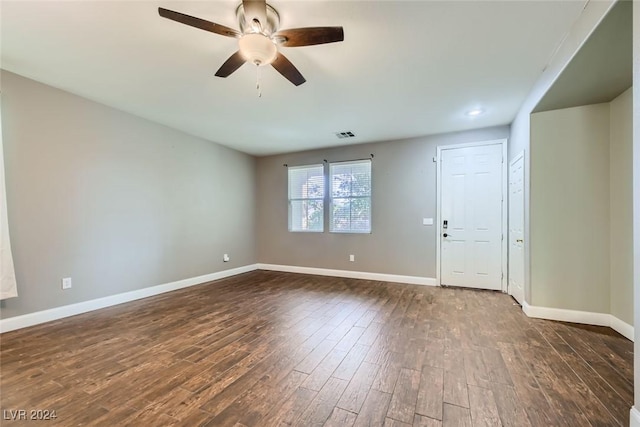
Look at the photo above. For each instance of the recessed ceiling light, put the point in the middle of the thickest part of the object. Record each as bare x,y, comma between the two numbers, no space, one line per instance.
475,112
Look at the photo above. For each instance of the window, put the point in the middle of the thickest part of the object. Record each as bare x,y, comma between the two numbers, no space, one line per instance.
350,197
306,198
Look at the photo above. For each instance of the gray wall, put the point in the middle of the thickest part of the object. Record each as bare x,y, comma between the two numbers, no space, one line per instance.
114,201
581,212
621,198
520,135
403,192
570,208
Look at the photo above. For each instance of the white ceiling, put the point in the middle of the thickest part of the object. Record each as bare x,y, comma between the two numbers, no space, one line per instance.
405,69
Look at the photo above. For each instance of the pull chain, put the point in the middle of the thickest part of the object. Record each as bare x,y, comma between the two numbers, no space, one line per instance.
258,88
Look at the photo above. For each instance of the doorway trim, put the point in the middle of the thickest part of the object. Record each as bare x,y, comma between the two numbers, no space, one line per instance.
505,189
513,161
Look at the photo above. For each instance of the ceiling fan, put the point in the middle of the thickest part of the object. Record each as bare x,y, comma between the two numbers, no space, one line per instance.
259,37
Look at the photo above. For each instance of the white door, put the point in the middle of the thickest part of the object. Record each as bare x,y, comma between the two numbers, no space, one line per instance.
516,228
471,215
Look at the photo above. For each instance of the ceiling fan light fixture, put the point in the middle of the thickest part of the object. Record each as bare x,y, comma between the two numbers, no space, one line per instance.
257,49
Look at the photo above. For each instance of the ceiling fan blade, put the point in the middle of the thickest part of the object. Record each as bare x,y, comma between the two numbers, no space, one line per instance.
309,36
198,23
255,9
234,62
288,70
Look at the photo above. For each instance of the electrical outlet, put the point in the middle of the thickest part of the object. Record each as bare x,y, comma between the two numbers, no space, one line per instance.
225,257
66,283
352,258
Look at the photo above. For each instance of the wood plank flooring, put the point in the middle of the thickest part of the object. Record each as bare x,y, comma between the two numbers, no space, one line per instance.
279,349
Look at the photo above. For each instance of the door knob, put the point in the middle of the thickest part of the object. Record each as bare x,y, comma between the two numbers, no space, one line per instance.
445,235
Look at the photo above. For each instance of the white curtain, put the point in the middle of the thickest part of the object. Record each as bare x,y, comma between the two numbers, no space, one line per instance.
8,288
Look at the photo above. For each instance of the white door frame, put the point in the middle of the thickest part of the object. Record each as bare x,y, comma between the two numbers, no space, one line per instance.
507,237
505,190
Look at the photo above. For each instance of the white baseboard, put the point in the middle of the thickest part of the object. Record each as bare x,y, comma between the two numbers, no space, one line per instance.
31,319
575,316
413,280
623,328
634,418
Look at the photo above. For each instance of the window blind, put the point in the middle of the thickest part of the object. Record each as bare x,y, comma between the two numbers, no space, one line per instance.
350,196
306,198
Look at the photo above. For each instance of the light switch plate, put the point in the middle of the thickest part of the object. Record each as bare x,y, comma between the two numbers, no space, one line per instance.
66,283
427,221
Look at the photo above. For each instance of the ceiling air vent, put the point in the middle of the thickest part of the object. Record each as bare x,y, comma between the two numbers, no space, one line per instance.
347,134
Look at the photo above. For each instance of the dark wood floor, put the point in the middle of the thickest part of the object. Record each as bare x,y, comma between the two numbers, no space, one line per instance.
271,349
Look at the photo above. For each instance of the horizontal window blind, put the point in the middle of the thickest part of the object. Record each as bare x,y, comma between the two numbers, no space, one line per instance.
306,198
350,196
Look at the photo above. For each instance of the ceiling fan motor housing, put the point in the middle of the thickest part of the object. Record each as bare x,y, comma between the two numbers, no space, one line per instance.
267,28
